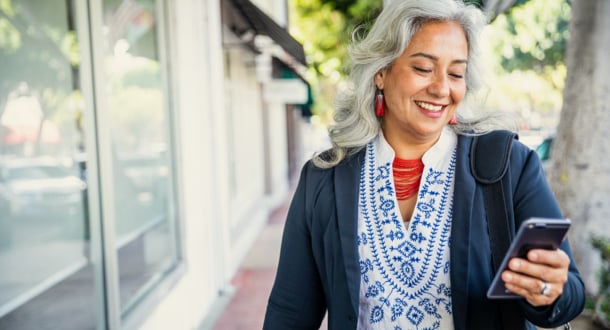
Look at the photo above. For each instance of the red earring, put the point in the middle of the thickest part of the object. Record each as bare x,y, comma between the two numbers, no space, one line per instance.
379,103
453,120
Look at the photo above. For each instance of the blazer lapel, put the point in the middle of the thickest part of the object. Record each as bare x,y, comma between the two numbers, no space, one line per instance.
460,233
347,181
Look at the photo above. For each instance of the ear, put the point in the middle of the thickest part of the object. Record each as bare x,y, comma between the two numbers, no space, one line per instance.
379,79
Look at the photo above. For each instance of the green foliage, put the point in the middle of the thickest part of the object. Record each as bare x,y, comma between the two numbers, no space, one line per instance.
535,35
525,49
602,245
324,28
602,301
356,12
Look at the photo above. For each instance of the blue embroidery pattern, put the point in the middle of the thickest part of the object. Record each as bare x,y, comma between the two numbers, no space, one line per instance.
405,274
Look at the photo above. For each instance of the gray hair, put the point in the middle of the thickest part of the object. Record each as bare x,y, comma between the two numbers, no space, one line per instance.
355,121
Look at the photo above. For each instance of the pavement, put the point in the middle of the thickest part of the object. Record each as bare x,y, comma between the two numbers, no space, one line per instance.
252,284
254,279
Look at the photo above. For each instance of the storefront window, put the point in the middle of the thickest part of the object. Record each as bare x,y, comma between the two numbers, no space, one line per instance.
137,100
52,273
47,276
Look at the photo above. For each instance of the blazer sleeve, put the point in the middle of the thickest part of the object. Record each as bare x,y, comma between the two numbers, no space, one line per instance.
297,298
534,198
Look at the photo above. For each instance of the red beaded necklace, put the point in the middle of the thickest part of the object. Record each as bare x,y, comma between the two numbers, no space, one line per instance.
407,176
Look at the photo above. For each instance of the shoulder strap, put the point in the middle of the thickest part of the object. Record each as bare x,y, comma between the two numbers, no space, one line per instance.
488,164
490,153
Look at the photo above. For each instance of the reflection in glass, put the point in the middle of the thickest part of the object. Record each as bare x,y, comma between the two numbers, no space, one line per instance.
141,147
46,277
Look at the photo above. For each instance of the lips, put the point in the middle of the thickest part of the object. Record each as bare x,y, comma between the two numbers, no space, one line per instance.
430,106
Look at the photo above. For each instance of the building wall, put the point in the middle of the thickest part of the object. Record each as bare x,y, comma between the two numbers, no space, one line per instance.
278,153
246,151
224,162
204,181
237,202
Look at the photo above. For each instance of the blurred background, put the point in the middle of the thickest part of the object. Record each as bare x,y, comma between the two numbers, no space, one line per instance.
148,147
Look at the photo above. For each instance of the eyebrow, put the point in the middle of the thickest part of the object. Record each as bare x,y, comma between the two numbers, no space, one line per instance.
434,58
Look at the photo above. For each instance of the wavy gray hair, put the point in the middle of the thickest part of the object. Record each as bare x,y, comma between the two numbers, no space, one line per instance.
355,121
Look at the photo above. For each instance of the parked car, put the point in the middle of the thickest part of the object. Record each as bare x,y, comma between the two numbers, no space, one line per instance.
147,174
544,151
39,187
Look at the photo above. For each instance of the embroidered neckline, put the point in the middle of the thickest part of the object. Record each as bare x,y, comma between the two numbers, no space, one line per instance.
405,273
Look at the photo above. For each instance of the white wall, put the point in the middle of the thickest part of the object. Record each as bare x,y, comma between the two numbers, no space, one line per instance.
248,209
219,130
278,149
196,62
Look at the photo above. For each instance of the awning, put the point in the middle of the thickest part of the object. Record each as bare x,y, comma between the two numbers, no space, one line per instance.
284,72
252,18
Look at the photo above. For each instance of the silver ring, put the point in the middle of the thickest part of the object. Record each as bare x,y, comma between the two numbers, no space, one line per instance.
546,289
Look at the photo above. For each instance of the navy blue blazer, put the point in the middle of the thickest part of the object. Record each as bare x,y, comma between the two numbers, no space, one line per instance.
319,267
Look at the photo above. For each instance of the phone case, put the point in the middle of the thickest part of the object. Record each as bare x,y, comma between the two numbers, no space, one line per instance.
539,233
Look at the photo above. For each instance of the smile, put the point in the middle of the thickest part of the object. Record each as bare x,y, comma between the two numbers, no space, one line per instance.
429,106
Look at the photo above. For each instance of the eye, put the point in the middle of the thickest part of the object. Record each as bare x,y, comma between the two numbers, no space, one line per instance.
456,75
422,70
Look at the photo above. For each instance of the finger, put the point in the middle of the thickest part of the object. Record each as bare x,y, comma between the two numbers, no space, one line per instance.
541,271
554,258
531,288
525,285
535,297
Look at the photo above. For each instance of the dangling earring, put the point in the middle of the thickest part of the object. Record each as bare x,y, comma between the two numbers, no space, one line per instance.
453,120
379,103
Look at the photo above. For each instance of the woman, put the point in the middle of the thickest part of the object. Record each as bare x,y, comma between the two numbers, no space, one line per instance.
387,230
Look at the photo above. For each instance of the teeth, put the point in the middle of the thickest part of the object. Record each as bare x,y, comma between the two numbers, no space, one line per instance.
429,106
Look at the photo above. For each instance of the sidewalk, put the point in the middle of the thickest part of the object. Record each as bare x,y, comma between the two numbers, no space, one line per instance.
254,279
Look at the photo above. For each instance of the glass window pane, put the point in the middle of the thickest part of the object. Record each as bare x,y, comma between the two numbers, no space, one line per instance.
46,277
141,146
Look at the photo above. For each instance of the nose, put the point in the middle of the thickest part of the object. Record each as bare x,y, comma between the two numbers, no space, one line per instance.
439,86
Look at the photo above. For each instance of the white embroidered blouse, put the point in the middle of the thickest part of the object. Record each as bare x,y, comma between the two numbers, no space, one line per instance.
404,270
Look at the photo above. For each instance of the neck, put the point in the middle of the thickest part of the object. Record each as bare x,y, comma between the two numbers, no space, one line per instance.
406,146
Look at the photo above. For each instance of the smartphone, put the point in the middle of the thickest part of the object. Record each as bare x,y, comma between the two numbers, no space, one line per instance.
534,233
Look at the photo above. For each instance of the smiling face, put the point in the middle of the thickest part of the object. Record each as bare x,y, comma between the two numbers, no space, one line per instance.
425,85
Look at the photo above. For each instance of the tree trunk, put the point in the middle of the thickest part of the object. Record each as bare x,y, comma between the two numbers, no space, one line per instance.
580,169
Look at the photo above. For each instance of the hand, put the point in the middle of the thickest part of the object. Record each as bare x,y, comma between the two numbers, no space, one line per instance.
527,278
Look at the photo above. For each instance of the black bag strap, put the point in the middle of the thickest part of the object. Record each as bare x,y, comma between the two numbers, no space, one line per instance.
489,164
